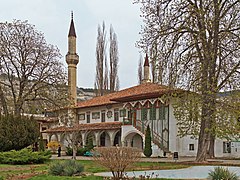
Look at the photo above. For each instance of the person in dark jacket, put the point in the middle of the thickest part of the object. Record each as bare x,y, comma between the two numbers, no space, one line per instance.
59,151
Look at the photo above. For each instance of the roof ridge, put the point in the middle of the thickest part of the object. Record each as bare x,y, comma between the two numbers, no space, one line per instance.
146,89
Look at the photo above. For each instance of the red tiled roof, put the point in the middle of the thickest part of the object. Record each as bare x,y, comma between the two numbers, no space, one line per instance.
82,127
143,91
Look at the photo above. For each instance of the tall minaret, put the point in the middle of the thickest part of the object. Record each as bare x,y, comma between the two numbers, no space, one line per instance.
146,75
72,60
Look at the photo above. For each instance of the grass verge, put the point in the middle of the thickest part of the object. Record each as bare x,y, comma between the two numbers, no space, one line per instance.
39,171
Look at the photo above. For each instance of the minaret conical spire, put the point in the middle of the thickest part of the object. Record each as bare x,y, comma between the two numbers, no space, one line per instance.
72,28
146,62
146,75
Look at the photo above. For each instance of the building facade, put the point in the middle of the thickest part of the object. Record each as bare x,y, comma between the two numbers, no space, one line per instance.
121,118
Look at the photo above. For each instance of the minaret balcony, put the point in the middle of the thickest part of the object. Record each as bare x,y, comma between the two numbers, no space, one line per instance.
72,58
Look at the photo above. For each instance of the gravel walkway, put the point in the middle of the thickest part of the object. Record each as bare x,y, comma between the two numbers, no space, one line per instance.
195,172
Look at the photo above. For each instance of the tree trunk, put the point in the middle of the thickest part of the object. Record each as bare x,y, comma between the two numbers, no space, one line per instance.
207,131
203,142
3,102
17,109
211,150
74,152
204,135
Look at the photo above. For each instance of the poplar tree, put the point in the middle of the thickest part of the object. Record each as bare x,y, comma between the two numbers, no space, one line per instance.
140,69
114,59
101,66
106,80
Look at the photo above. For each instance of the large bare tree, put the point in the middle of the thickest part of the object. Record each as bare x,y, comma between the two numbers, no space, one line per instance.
30,68
199,42
113,58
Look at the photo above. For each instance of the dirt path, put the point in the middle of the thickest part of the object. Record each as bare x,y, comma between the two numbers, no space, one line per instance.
22,175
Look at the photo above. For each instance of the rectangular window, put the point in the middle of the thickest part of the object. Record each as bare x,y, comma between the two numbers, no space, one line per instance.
144,114
123,113
162,113
226,147
153,113
88,117
129,114
95,115
191,147
116,115
103,116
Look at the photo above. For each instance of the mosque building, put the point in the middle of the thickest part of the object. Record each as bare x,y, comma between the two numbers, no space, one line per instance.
121,118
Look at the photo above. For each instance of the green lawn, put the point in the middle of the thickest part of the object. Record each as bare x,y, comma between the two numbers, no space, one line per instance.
39,172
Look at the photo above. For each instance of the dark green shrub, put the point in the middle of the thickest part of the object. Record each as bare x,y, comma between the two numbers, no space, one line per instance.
24,156
17,132
89,145
80,151
1,178
148,144
56,169
69,151
66,168
220,173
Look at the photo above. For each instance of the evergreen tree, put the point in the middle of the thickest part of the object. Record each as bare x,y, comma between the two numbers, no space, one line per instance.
41,144
148,145
17,132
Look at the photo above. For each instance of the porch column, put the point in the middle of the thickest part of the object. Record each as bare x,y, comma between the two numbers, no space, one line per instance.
83,138
112,136
97,138
128,143
50,137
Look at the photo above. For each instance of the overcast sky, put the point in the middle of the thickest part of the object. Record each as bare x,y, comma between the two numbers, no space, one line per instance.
52,17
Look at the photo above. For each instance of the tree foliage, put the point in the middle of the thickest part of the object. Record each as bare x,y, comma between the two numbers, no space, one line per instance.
228,116
198,44
148,143
17,132
53,145
187,112
30,68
